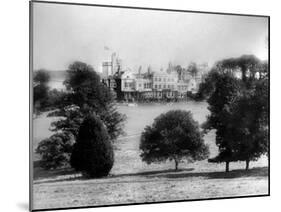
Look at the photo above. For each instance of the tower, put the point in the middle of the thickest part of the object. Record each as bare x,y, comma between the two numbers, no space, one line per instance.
116,64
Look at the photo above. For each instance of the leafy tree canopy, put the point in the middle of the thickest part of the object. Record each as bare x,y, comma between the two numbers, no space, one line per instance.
239,108
250,123
55,151
41,76
173,136
87,95
247,67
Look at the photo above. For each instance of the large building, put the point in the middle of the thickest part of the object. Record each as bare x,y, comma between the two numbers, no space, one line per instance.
156,85
164,85
173,83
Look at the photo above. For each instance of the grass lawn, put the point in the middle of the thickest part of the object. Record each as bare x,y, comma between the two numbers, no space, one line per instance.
133,181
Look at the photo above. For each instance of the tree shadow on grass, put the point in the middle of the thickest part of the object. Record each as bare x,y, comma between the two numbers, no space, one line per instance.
255,172
40,173
51,174
151,173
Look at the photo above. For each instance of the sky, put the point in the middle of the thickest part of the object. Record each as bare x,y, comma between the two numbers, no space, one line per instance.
63,34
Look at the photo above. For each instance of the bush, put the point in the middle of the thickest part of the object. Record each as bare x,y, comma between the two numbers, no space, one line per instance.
173,136
55,151
93,152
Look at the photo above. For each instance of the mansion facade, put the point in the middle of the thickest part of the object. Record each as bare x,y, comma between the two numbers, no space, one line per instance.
152,85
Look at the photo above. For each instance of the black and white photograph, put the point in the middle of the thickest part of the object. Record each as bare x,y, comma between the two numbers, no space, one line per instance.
134,105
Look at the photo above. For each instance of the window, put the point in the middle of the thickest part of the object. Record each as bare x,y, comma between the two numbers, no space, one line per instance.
159,86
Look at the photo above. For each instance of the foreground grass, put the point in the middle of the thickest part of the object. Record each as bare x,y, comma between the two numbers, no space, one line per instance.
165,185
133,181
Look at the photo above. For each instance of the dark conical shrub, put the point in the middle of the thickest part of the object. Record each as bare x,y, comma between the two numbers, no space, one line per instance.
93,152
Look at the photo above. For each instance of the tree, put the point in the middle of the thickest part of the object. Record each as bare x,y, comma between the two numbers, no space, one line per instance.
88,95
55,151
250,118
207,87
173,136
85,87
192,69
40,89
85,96
93,152
247,67
227,89
41,76
44,97
56,99
71,121
239,109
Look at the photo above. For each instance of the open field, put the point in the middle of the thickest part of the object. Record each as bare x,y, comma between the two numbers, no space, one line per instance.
133,181
149,187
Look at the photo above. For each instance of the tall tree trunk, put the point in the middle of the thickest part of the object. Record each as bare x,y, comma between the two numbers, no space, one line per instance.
247,164
227,166
176,164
